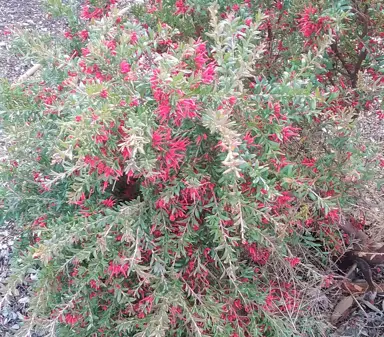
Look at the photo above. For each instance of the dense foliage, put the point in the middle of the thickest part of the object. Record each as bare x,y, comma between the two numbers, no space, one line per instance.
181,168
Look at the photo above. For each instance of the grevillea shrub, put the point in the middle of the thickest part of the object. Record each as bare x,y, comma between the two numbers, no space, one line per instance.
182,170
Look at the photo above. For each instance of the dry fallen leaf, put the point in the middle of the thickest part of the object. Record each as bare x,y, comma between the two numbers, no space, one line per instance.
359,287
353,288
342,309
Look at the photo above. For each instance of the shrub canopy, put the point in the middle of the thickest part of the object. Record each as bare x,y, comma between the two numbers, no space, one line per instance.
181,168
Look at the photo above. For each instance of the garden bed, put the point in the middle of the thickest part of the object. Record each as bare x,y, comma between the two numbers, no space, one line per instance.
196,148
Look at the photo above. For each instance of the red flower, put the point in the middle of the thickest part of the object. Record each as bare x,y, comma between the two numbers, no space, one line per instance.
286,133
115,269
283,200
111,45
333,215
80,201
181,7
277,108
134,102
164,110
83,35
85,52
97,13
71,319
309,25
133,39
176,153
237,304
40,222
78,118
200,138
308,162
125,67
232,100
277,112
258,255
185,108
249,139
380,114
293,261
209,73
280,163
160,137
94,284
102,138
289,132
68,35
200,54
144,306
327,281
104,93
108,202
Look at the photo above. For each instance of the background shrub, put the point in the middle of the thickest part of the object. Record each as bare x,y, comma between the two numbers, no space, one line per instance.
182,170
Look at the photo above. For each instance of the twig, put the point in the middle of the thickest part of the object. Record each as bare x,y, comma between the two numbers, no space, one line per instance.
340,57
364,18
351,270
28,73
124,10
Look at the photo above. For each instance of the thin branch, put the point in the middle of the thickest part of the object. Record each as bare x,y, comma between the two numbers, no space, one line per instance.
28,73
340,57
364,19
363,54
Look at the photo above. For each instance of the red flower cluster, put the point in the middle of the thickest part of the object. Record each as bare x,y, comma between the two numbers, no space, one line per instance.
282,297
257,254
115,269
125,67
108,202
72,319
310,25
181,7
